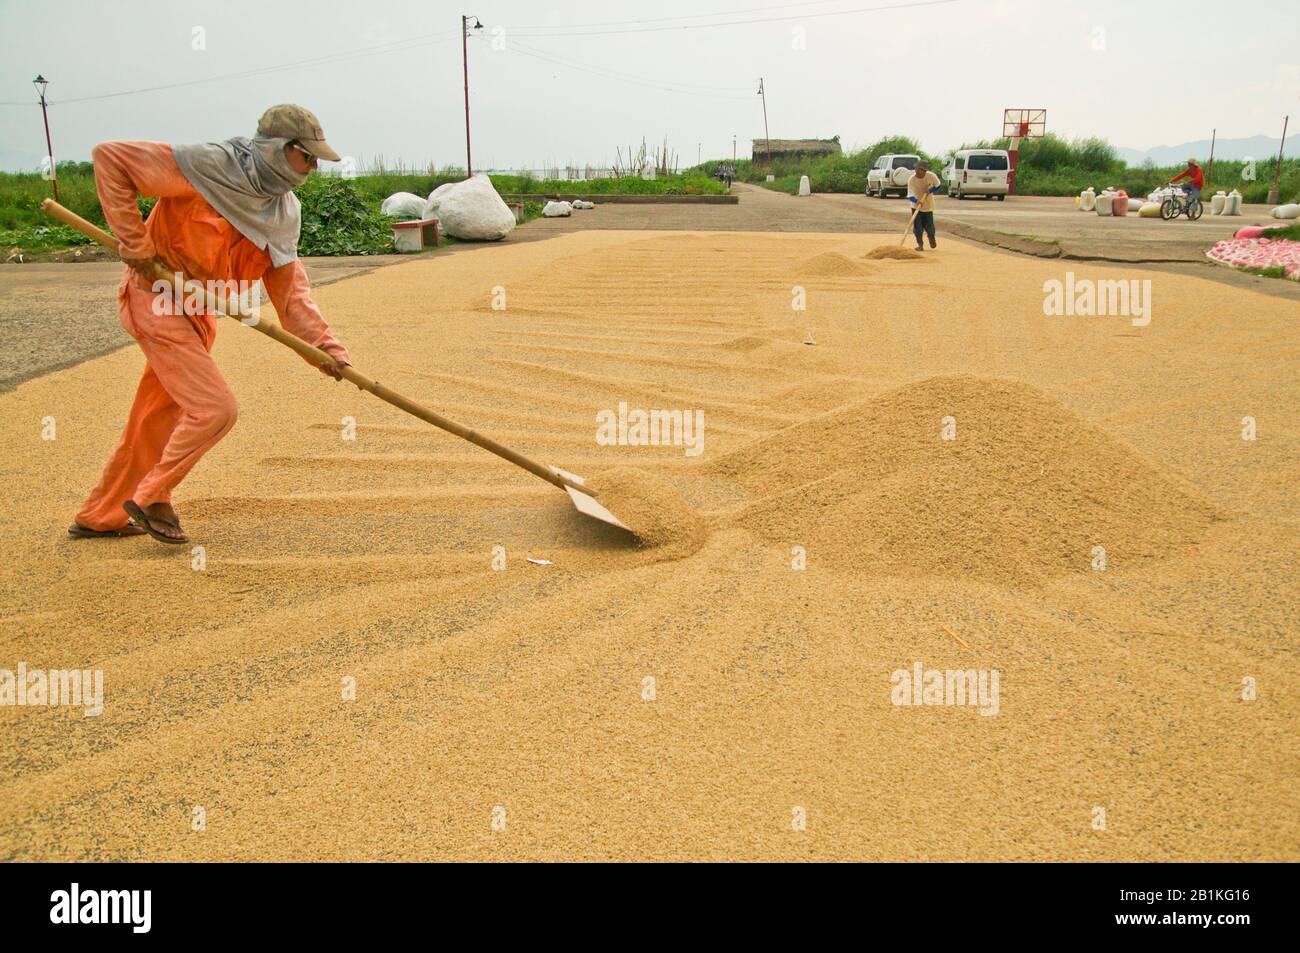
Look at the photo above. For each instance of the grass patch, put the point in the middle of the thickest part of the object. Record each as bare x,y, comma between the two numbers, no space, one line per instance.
1290,232
1275,271
33,239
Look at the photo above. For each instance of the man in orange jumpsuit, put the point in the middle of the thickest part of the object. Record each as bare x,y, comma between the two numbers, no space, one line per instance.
226,211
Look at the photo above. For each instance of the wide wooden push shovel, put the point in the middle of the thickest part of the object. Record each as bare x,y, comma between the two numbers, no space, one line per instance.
583,498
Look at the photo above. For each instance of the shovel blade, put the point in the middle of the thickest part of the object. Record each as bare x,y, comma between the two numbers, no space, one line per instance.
586,504
590,506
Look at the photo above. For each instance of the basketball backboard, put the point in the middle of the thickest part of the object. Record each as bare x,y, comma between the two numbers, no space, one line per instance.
1024,123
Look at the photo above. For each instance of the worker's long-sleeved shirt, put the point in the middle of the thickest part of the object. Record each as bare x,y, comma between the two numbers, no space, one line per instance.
1194,174
188,233
919,187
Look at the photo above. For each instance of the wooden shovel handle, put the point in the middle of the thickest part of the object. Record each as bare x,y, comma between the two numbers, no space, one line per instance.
914,213
317,356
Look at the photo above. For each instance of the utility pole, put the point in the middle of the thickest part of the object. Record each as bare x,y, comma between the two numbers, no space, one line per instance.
767,136
40,82
733,148
464,48
1209,173
1277,175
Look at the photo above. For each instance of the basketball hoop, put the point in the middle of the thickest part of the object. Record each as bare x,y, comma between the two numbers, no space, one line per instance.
1024,123
1020,124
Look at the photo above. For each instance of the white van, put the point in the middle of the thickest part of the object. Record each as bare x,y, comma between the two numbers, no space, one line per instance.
978,172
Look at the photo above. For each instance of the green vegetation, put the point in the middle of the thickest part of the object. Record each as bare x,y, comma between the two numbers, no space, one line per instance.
1047,166
339,216
837,173
1291,232
21,195
1274,271
336,220
376,188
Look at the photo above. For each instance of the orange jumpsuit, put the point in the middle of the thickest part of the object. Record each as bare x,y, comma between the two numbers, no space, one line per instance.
183,405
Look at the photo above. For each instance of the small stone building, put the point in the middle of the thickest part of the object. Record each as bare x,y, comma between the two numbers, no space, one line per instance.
792,148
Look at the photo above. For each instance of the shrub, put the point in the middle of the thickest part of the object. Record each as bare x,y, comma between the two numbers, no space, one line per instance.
336,220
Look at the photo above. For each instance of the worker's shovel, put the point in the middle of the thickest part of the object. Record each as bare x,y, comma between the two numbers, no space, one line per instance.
915,212
582,497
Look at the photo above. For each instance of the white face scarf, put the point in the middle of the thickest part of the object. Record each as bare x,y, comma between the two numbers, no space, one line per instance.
250,183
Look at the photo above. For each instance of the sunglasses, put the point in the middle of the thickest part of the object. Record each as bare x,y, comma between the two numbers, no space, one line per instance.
311,159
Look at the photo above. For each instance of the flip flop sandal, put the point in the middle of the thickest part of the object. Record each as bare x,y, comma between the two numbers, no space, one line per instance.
77,531
142,521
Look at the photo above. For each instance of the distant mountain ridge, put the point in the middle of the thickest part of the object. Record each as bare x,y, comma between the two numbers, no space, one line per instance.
1255,147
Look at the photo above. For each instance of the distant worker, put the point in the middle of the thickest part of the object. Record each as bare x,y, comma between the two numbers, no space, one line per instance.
225,212
921,189
1195,180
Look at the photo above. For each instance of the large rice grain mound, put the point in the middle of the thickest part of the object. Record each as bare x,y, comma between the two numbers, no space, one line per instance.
1023,494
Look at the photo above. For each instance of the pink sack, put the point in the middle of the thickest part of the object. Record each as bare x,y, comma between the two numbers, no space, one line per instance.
1253,231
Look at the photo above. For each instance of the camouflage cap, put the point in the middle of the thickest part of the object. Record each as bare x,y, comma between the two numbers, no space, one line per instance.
290,121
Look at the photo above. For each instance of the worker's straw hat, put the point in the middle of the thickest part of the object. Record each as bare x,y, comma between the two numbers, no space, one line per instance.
291,121
1191,160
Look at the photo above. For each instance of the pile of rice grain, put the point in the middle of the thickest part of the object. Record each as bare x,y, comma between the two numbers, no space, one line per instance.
1021,495
652,509
893,251
832,265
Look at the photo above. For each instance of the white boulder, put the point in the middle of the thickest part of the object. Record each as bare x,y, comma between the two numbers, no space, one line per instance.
473,210
403,205
435,199
557,209
804,187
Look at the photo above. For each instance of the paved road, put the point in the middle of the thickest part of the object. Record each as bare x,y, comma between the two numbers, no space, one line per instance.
55,315
1041,226
759,210
1078,234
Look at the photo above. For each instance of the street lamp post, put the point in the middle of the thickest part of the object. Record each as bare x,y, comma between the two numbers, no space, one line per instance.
767,136
40,82
733,148
464,45
1277,174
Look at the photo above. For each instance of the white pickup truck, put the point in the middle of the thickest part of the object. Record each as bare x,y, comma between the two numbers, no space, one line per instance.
890,174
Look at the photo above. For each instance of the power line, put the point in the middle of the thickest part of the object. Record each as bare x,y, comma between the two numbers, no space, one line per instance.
685,16
705,26
392,46
701,88
609,74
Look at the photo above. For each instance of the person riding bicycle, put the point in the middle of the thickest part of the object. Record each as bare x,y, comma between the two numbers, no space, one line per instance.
1195,180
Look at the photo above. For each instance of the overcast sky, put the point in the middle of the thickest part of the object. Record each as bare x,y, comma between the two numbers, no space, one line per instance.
1138,72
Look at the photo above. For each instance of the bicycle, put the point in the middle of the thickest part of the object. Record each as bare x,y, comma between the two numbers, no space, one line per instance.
1181,204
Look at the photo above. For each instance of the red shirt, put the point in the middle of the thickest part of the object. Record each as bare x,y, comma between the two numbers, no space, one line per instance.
1197,176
